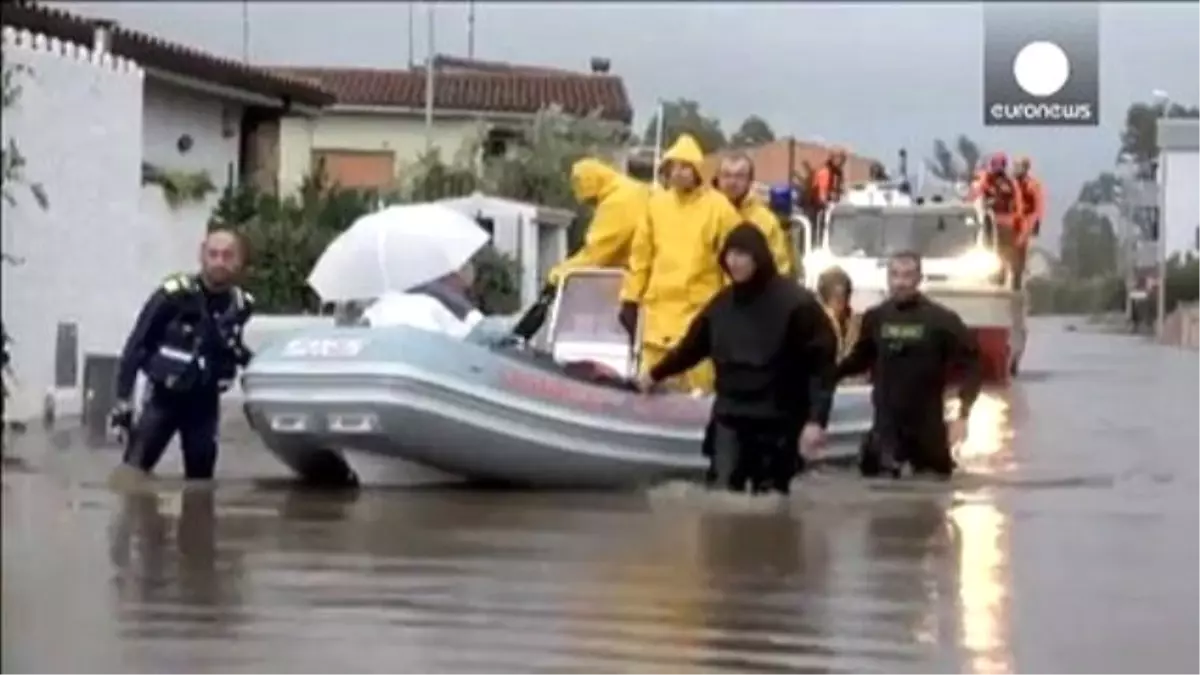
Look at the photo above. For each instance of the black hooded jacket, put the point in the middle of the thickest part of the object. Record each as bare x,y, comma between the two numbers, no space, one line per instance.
771,345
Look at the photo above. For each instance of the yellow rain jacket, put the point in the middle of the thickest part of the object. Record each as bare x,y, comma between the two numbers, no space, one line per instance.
621,204
754,210
673,263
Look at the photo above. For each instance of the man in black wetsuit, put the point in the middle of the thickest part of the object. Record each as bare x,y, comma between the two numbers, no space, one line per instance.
912,345
772,349
188,342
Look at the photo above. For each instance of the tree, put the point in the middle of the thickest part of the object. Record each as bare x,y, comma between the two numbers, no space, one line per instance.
684,116
754,132
1139,140
538,171
286,236
12,162
958,165
1104,189
1088,244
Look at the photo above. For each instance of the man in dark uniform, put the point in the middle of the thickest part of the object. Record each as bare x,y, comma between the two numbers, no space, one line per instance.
773,352
912,345
188,342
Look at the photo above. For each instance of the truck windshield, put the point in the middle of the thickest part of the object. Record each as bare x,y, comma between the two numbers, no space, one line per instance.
866,234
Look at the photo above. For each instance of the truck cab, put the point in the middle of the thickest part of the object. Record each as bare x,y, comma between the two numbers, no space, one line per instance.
957,242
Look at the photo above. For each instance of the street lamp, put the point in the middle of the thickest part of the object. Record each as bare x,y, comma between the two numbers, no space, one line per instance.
1164,100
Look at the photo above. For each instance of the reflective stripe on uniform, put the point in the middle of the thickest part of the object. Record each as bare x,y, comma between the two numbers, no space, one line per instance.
176,354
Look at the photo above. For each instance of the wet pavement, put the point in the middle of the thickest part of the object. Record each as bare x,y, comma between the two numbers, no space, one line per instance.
1069,544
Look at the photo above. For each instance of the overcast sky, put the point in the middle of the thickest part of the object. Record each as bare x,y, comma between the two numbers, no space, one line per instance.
873,76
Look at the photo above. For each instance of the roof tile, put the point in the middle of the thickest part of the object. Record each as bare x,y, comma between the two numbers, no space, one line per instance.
516,90
771,161
153,52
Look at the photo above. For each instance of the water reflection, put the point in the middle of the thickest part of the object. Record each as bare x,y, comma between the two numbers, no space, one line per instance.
910,538
984,583
989,431
759,571
172,582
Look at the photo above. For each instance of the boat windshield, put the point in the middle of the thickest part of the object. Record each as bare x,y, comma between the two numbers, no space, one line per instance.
878,234
588,310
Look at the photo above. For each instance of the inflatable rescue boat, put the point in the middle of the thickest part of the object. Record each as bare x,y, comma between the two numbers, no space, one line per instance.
557,411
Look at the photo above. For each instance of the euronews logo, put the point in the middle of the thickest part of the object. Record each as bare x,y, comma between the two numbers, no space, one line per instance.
1041,67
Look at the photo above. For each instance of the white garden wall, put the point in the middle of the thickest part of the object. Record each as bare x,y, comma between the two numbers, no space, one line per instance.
106,240
78,123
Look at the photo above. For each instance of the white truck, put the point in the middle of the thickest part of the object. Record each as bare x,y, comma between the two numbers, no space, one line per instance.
957,242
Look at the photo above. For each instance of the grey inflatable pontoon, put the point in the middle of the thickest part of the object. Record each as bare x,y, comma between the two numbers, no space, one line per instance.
528,415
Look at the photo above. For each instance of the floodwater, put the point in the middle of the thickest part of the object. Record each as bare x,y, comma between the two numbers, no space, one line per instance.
1068,545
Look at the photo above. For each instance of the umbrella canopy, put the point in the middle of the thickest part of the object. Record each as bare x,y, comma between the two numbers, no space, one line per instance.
394,250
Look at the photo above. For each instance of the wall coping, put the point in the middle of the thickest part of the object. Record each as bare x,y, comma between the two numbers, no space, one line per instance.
38,42
1175,133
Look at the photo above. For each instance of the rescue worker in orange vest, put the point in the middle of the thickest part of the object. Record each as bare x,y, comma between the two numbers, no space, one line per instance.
1001,194
829,180
1031,197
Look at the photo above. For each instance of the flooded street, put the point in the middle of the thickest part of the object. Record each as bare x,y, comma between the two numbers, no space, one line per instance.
1069,544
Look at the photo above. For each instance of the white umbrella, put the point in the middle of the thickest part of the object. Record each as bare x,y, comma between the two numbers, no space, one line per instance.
394,250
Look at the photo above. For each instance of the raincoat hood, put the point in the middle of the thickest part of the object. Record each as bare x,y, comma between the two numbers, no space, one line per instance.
831,279
593,179
749,239
687,150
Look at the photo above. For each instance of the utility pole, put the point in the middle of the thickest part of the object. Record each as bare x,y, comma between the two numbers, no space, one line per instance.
412,38
246,32
1160,182
429,79
470,29
659,130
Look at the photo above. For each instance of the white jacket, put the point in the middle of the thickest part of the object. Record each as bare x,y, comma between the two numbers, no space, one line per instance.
419,310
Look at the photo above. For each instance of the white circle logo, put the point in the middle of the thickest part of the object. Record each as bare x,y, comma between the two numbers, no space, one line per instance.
1041,68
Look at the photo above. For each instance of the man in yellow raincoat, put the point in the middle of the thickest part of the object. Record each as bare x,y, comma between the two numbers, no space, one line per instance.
673,262
621,204
735,177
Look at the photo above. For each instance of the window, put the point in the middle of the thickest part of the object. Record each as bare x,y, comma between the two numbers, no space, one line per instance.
876,234
499,141
357,168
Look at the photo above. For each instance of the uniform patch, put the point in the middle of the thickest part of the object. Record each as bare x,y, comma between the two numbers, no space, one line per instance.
903,332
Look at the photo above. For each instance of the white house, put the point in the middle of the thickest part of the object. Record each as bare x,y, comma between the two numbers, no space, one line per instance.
377,126
1179,175
101,108
533,234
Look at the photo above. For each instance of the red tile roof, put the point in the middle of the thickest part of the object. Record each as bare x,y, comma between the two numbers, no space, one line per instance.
150,51
445,62
478,87
771,161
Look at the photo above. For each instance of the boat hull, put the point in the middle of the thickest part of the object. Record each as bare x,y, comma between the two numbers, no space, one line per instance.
484,416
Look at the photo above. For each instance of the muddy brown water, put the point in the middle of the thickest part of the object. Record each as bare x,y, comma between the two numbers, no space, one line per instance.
1069,544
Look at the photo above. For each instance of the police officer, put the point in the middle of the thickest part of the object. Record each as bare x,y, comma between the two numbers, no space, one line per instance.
911,345
188,342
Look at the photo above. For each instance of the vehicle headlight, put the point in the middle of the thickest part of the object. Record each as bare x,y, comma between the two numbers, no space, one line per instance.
979,263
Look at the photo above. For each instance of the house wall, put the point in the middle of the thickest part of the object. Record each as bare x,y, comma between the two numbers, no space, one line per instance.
214,125
1179,205
1181,199
403,135
78,122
